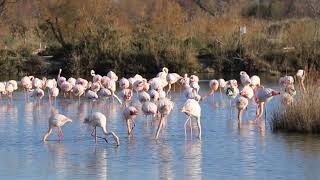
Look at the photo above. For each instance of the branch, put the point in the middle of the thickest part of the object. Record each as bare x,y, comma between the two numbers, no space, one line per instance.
311,5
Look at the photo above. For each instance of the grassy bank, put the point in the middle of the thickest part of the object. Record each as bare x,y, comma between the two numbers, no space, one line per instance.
303,115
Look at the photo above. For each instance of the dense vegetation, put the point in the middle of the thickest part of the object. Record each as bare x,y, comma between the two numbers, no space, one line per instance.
130,36
303,114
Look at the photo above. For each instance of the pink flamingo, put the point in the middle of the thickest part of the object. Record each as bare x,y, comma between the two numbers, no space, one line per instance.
124,83
66,87
149,108
37,93
9,91
53,93
78,90
95,77
129,114
82,82
26,83
164,107
255,81
193,110
98,119
56,120
262,96
126,94
241,104
144,97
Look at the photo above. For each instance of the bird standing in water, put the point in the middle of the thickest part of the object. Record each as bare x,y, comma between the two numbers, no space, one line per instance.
98,119
56,120
192,109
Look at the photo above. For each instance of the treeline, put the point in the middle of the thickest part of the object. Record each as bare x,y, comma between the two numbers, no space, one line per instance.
130,36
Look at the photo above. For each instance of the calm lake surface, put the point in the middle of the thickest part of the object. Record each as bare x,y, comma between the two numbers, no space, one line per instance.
225,152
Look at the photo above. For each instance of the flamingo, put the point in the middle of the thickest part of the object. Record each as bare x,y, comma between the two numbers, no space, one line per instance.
154,95
262,96
112,76
72,81
2,89
194,78
172,78
98,119
60,79
144,97
245,79
82,82
301,75
78,90
56,120
164,107
105,93
37,93
163,74
66,87
124,83
241,104
185,81
53,93
193,110
9,90
255,81
129,114
126,94
149,108
95,77
95,86
26,83
213,85
247,92
37,83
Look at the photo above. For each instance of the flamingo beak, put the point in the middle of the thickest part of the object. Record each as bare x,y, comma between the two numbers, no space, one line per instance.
274,93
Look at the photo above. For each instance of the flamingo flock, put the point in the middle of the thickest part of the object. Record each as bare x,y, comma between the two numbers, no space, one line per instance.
151,98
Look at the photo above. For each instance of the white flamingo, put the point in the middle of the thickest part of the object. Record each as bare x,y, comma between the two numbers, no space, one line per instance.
193,110
56,120
98,119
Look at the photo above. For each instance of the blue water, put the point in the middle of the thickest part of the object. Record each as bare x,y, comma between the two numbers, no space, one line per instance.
225,152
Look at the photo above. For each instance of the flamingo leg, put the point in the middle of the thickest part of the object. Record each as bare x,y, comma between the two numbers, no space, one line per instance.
199,127
185,127
159,128
190,124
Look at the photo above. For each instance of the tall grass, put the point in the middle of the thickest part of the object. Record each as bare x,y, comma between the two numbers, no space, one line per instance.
303,115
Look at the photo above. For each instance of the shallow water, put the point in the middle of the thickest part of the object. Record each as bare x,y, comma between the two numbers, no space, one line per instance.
224,151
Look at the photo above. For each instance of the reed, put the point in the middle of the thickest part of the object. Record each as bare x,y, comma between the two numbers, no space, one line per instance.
303,115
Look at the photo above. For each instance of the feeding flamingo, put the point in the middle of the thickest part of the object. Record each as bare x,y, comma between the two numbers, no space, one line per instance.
193,110
129,114
98,119
56,120
241,104
164,107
